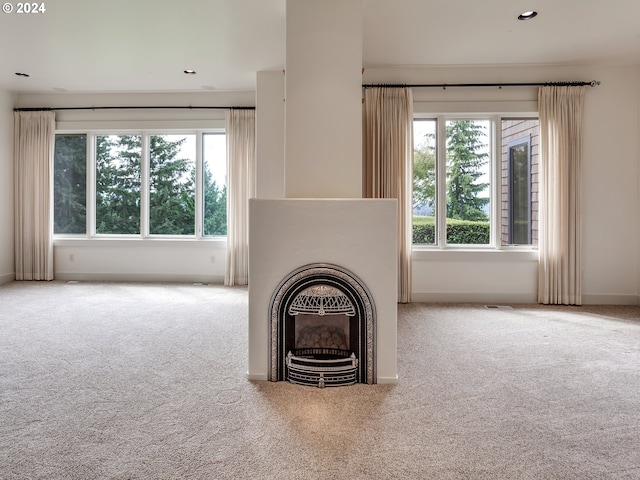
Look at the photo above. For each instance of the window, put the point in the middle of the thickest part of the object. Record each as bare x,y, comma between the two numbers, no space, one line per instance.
468,182
519,186
215,184
118,173
424,181
172,184
141,184
459,197
519,183
70,184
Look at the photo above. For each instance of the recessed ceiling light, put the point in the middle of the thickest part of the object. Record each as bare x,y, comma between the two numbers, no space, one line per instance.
188,71
20,74
527,15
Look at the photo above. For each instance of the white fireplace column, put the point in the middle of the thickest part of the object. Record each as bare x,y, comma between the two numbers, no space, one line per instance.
322,218
323,106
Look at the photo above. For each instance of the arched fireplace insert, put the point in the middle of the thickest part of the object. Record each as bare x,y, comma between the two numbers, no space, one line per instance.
322,328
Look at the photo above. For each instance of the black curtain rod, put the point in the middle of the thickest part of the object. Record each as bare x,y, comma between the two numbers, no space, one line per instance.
190,107
592,83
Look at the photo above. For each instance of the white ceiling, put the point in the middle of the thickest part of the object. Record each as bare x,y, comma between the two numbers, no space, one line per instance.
144,45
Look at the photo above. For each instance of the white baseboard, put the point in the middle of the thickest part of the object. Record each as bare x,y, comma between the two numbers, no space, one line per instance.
472,297
607,299
516,298
387,380
138,277
7,278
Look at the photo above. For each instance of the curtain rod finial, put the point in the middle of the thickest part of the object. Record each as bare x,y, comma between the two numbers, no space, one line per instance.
594,83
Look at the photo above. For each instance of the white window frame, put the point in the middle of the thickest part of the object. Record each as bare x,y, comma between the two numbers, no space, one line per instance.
472,111
144,234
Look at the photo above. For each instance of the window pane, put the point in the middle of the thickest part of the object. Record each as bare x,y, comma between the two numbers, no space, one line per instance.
424,181
519,205
172,195
70,184
468,181
215,184
519,181
118,184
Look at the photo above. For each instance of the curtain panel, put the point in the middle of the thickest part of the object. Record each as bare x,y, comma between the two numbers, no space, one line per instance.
560,244
241,161
34,141
388,164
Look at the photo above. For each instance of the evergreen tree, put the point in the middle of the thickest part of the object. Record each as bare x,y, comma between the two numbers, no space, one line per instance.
464,163
172,189
215,206
70,184
118,184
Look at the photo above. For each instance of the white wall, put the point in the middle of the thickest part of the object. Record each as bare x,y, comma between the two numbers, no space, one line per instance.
611,230
323,146
140,259
7,263
611,184
270,134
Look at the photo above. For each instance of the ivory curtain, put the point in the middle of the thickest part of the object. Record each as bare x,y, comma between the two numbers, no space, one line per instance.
560,245
388,164
241,160
34,141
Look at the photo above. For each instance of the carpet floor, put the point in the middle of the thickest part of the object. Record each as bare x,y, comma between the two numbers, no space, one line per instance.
148,381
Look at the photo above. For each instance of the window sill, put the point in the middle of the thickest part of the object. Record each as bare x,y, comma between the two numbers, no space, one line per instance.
133,241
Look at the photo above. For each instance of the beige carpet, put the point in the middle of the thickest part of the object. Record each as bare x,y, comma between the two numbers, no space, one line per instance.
148,381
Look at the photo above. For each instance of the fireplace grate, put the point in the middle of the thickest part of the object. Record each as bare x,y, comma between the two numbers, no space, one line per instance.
322,369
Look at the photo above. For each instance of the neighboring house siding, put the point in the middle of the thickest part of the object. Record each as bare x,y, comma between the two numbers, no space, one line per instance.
513,130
